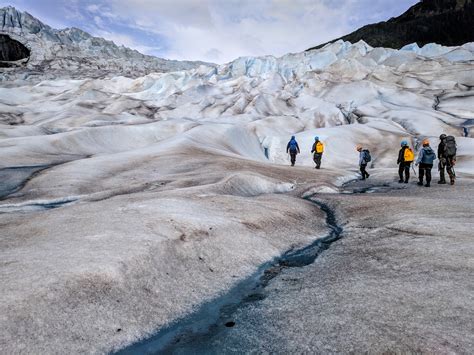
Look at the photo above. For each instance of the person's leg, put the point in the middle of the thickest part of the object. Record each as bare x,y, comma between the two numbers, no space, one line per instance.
421,174
317,158
407,172
442,179
401,167
428,175
363,173
450,170
293,158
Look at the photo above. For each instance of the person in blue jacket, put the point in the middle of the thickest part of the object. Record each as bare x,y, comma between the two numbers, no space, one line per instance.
293,148
425,161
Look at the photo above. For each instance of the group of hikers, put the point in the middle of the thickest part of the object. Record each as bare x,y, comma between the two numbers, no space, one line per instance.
406,156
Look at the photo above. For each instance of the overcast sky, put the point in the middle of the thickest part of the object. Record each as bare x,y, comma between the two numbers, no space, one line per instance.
214,30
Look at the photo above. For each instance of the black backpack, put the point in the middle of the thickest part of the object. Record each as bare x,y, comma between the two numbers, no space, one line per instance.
367,156
450,144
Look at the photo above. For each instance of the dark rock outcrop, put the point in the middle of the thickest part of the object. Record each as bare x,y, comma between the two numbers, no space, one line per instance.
446,22
11,50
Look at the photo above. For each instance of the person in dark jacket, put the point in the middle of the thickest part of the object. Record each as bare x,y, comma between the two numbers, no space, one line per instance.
425,162
446,162
403,164
293,148
363,162
317,150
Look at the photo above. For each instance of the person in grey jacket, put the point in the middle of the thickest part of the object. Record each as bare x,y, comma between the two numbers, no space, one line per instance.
364,158
425,162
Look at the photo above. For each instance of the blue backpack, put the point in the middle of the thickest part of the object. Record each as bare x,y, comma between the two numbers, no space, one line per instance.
293,146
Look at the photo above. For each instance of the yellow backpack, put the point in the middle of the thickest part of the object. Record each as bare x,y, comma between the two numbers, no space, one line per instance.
319,147
408,155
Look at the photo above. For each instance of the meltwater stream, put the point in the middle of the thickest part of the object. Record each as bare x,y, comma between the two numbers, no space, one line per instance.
193,331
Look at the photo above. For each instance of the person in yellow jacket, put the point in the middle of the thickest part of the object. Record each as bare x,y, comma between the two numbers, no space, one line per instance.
405,158
317,150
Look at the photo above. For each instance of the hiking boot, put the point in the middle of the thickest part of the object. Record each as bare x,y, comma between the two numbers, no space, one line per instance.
362,178
419,183
400,181
427,185
452,181
406,181
442,182
368,176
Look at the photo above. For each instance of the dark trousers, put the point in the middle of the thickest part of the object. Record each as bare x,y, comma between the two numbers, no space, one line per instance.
446,164
363,171
317,159
425,169
404,167
293,158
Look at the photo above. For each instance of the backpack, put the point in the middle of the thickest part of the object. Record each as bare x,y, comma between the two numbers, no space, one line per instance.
319,147
450,144
428,156
408,155
293,146
367,157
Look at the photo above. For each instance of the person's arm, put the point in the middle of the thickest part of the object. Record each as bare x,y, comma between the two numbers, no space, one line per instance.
298,147
287,147
400,155
314,148
420,156
361,157
440,150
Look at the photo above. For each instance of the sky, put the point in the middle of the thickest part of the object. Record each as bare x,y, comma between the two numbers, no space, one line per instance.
214,30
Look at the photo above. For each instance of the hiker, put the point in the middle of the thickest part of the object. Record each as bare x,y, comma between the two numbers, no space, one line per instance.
447,158
425,161
364,158
318,149
405,158
292,148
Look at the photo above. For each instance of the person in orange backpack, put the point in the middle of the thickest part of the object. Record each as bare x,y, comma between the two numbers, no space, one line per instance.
405,158
317,150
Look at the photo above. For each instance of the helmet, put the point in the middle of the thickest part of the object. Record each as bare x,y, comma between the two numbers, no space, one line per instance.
404,143
426,142
443,136
316,138
358,147
292,137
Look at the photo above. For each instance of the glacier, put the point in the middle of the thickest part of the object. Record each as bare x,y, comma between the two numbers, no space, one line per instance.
132,194
73,53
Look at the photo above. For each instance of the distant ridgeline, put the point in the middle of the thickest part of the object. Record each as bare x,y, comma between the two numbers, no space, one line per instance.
446,22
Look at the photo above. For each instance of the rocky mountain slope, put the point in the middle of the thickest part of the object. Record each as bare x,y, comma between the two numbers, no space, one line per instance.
446,22
27,43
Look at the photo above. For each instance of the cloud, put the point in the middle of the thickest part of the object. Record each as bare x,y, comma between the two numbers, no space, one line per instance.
250,28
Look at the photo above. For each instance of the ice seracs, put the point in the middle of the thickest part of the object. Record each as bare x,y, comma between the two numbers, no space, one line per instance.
72,52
